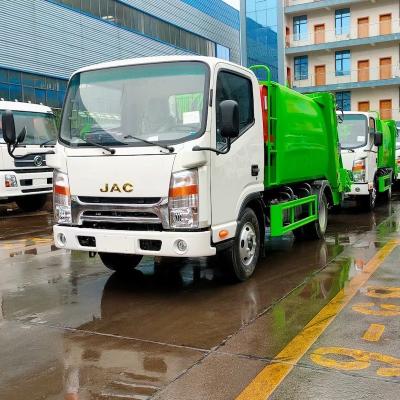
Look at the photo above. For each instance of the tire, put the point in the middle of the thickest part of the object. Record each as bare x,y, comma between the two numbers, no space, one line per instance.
387,195
120,262
31,203
368,202
316,230
241,258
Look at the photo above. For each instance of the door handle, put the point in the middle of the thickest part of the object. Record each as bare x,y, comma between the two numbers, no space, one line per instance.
255,170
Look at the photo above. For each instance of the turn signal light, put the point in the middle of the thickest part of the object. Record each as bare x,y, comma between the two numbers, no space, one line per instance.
223,234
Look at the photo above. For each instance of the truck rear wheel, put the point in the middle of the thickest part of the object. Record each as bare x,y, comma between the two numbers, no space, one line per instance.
31,203
120,262
242,257
315,230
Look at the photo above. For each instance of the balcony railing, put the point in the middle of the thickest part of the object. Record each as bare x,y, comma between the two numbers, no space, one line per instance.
357,31
382,73
289,3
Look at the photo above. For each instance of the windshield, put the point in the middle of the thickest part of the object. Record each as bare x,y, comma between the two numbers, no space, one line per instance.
353,131
40,127
162,103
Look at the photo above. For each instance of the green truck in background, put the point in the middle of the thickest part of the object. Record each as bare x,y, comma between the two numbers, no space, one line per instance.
368,147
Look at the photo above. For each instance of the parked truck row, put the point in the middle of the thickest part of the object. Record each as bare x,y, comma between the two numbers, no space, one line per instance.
195,156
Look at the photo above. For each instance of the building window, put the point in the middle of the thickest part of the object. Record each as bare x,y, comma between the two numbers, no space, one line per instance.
342,62
342,21
343,100
22,86
223,52
300,27
301,68
128,17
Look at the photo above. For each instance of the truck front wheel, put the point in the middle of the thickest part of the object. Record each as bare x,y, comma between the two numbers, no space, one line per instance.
31,203
367,202
120,262
242,257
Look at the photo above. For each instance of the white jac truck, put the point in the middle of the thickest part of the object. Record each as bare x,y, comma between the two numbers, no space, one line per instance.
368,150
189,157
25,177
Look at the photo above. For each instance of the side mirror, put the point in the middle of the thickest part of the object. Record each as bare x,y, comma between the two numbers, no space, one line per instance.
230,126
8,127
378,139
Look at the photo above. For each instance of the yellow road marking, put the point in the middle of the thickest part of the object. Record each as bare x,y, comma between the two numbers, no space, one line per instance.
374,332
387,310
383,292
264,384
361,360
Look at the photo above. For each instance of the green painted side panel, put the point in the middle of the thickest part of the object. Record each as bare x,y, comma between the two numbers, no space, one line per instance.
303,140
283,215
384,183
387,152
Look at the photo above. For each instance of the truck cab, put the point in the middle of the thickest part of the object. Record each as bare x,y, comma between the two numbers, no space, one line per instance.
27,179
367,148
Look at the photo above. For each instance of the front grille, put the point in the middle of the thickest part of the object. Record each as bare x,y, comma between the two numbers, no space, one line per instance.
31,160
119,200
36,190
123,226
126,214
31,170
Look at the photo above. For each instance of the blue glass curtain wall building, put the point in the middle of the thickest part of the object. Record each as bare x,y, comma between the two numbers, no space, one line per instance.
262,34
26,87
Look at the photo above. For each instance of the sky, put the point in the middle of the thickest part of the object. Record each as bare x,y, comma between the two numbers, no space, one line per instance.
234,3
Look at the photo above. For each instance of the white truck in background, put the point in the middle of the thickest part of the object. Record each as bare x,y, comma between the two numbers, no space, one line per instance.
26,179
368,150
398,151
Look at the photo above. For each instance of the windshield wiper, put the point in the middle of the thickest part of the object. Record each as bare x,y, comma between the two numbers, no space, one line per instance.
100,146
166,147
47,142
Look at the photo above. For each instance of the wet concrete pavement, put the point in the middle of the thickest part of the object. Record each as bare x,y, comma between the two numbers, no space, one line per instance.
69,329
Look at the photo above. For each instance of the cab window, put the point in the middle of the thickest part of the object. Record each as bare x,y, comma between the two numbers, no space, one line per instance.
231,86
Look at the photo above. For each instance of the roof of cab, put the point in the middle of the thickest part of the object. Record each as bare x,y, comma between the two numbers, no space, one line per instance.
154,60
28,107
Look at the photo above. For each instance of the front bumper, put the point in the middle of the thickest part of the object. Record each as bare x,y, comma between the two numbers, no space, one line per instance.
29,183
359,189
129,242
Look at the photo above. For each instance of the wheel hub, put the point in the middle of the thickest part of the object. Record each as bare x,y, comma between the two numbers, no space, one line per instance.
247,244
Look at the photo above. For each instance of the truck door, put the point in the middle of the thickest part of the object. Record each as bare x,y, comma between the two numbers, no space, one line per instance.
237,174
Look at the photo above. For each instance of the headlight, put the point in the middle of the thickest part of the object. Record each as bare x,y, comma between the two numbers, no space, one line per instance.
359,171
184,200
10,181
62,198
